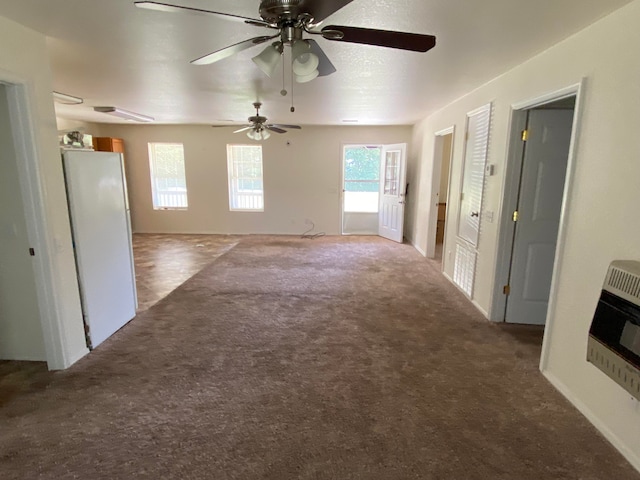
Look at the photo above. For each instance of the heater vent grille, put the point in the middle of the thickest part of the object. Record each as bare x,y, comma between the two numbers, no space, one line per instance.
624,280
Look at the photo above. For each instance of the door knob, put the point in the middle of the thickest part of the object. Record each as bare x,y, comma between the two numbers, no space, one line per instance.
475,214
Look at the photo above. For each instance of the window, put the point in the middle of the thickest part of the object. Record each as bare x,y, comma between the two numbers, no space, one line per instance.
244,164
168,183
361,179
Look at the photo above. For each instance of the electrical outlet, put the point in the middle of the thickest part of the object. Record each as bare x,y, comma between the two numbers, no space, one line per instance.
308,221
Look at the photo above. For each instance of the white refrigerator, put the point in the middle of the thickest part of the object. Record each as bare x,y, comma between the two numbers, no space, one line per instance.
101,228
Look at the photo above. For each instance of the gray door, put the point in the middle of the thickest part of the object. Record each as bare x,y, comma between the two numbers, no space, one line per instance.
539,206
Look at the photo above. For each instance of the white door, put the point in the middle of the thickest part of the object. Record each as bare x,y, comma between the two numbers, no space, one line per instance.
393,174
541,191
473,176
20,326
95,190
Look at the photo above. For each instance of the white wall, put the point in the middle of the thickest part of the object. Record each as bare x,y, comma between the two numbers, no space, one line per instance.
302,177
602,218
24,61
20,328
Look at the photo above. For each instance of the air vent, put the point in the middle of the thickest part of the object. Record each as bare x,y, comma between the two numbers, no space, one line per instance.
624,280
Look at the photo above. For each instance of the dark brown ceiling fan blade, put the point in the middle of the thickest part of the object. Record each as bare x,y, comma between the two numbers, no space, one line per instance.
321,9
325,67
231,50
383,38
279,125
243,129
167,7
275,129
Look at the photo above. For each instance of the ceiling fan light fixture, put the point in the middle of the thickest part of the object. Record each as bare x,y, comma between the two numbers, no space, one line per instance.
307,78
304,60
258,135
268,59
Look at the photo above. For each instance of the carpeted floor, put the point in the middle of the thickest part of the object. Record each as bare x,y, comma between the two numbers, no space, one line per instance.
335,358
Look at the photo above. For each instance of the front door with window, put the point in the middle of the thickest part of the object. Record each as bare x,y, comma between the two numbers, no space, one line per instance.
392,192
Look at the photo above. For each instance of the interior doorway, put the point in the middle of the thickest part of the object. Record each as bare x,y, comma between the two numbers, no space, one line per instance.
535,193
443,151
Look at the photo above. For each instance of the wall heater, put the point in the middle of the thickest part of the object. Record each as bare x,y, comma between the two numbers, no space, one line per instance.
614,336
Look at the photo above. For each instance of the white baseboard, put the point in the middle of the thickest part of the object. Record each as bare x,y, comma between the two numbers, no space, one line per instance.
480,309
71,359
422,252
473,302
618,444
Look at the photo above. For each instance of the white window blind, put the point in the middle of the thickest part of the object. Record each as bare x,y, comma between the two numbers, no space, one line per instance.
168,182
475,159
244,167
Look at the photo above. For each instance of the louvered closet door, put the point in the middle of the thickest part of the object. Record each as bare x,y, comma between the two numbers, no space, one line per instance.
473,175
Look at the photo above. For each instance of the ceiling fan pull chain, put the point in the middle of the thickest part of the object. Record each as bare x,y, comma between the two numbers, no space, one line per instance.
283,92
293,109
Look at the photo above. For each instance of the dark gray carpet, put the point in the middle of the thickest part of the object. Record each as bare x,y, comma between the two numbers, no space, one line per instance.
334,358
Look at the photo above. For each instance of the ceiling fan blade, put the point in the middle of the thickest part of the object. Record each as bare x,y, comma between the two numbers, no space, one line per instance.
231,50
325,67
321,9
383,38
167,7
279,125
275,129
243,129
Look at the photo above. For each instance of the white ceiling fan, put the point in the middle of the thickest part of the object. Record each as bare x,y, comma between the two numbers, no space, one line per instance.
290,19
259,129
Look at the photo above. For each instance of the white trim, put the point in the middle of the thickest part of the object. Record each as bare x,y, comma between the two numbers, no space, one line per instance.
420,250
602,427
482,310
509,188
579,92
473,302
446,131
436,173
32,187
343,147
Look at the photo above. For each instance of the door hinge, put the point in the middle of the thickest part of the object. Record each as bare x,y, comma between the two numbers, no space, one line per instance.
525,135
32,252
515,216
506,289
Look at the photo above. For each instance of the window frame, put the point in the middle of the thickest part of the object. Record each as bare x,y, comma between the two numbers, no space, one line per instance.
155,193
235,191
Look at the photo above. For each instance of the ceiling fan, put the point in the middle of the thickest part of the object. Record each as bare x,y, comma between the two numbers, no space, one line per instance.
292,18
259,129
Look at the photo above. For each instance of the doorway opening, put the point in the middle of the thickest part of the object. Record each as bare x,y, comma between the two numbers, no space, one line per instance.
374,190
360,189
443,151
538,179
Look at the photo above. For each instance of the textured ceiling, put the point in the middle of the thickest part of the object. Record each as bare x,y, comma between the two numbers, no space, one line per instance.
111,53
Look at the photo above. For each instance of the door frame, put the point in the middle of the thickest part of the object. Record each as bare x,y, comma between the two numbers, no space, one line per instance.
19,93
509,201
432,225
343,147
